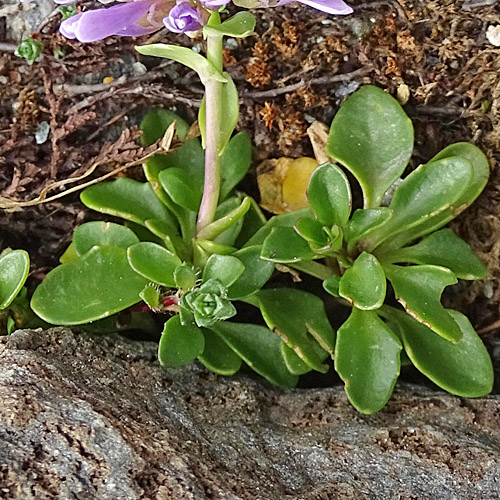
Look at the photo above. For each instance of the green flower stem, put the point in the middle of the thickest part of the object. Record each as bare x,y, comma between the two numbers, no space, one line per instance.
213,160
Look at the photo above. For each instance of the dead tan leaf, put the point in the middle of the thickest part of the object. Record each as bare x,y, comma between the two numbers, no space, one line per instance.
318,135
283,183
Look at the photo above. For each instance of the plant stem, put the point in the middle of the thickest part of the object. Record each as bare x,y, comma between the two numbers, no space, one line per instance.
213,117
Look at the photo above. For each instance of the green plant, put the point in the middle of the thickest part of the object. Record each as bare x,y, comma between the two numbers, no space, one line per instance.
163,258
14,269
29,49
355,253
160,257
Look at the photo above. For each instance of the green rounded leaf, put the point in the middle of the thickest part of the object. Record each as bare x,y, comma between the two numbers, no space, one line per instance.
126,198
169,236
102,233
156,122
68,255
153,262
479,179
256,275
442,248
299,318
259,347
179,344
364,222
240,25
364,284
150,296
283,220
207,248
217,356
226,222
329,195
179,187
161,229
225,268
285,245
205,69
190,158
419,289
480,167
367,360
236,161
332,285
185,277
312,231
295,364
253,221
464,368
95,286
372,137
14,269
429,190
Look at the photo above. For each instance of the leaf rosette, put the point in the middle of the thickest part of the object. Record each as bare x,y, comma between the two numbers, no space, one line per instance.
208,304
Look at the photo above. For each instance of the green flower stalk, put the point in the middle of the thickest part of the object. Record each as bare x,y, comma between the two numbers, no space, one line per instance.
213,160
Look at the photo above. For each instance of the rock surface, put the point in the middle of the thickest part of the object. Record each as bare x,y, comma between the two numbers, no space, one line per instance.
97,418
21,19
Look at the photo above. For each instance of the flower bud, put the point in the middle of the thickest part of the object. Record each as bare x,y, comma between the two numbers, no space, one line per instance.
184,18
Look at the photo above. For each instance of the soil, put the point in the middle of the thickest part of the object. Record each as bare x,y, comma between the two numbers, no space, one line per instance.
298,68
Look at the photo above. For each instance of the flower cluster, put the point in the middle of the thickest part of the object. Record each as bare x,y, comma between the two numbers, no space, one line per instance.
142,17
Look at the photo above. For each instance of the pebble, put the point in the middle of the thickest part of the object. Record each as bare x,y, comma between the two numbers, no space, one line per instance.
139,68
230,44
488,290
345,89
493,35
42,133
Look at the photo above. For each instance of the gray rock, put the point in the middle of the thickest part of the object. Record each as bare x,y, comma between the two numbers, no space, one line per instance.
23,19
96,418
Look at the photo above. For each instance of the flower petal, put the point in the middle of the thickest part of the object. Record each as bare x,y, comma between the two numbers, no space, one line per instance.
183,18
335,7
68,26
137,30
97,24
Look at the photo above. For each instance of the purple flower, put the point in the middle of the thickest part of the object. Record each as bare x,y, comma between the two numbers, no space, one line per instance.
126,19
184,19
335,7
214,4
